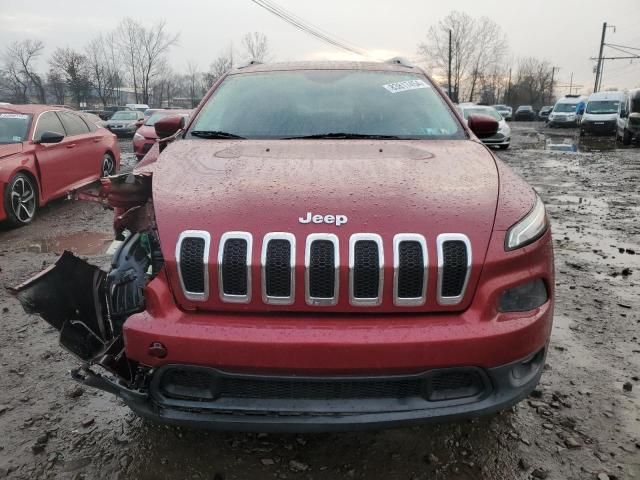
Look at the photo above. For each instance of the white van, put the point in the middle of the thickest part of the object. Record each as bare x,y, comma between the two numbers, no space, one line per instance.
141,107
601,113
629,117
565,111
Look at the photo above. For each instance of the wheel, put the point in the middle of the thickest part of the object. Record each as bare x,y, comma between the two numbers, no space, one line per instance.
503,147
626,137
108,165
21,200
581,133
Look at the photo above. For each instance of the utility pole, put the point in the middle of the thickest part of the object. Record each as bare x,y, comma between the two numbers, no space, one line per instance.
600,57
553,71
508,95
571,85
449,81
604,32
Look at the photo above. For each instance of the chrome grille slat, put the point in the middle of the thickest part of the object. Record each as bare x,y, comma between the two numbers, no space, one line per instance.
234,274
278,262
318,269
192,259
410,274
366,269
454,267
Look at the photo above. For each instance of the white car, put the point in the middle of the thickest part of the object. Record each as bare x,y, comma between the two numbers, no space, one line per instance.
502,139
505,110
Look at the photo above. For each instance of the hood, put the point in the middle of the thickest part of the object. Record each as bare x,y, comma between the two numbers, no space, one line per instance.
10,149
600,117
425,187
148,131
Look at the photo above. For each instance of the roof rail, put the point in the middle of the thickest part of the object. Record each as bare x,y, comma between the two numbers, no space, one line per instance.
400,61
248,64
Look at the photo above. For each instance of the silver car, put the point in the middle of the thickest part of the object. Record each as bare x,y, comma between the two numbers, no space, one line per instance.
502,139
125,122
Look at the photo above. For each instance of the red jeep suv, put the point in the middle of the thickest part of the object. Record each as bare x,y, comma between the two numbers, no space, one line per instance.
321,246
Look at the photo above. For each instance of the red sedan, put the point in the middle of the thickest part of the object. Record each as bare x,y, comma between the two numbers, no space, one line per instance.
44,153
146,136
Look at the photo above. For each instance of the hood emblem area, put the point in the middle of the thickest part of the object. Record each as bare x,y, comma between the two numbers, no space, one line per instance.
336,219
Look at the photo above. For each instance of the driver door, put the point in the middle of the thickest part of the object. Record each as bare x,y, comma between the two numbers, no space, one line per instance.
52,158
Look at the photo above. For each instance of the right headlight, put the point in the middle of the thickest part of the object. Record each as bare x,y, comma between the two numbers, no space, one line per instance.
137,136
531,227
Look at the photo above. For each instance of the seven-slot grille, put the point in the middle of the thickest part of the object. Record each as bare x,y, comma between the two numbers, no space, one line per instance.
322,261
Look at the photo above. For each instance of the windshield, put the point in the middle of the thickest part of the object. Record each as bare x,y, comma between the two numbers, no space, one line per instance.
483,111
14,127
319,102
565,107
124,116
603,106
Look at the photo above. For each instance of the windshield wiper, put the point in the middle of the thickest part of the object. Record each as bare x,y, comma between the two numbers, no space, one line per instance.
213,134
346,136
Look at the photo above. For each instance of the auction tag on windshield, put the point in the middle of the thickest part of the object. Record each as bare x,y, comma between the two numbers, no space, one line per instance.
405,85
19,116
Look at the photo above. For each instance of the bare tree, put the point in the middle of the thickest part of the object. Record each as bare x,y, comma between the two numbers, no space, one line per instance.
221,65
74,68
194,84
532,82
491,47
478,48
103,66
57,86
20,60
129,40
256,46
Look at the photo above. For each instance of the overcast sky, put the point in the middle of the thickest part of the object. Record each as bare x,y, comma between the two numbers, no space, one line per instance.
566,32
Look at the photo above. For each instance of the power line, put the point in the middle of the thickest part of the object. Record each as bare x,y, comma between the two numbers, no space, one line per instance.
307,27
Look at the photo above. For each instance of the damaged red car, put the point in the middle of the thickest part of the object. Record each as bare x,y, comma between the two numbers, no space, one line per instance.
46,152
322,246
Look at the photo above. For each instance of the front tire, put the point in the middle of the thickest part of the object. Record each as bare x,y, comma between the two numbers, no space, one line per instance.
21,200
626,137
108,165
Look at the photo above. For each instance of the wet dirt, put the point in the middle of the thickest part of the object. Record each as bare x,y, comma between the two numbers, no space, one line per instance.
579,423
80,243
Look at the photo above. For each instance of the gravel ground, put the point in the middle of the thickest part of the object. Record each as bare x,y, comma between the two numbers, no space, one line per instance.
583,422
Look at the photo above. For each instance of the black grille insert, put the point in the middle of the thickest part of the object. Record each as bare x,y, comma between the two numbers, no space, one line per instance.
277,268
203,384
454,273
410,269
322,278
366,269
192,267
234,267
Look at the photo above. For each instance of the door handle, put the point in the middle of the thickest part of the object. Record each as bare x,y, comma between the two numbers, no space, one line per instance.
71,145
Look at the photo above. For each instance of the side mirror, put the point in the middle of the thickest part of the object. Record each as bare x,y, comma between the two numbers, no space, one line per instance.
169,125
50,137
623,113
483,126
139,123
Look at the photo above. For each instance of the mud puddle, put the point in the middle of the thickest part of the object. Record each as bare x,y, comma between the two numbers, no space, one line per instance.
81,243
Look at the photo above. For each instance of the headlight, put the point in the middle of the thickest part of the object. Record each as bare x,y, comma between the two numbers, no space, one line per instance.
529,229
523,297
137,136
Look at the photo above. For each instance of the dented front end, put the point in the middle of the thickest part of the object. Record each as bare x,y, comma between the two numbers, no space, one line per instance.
89,306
